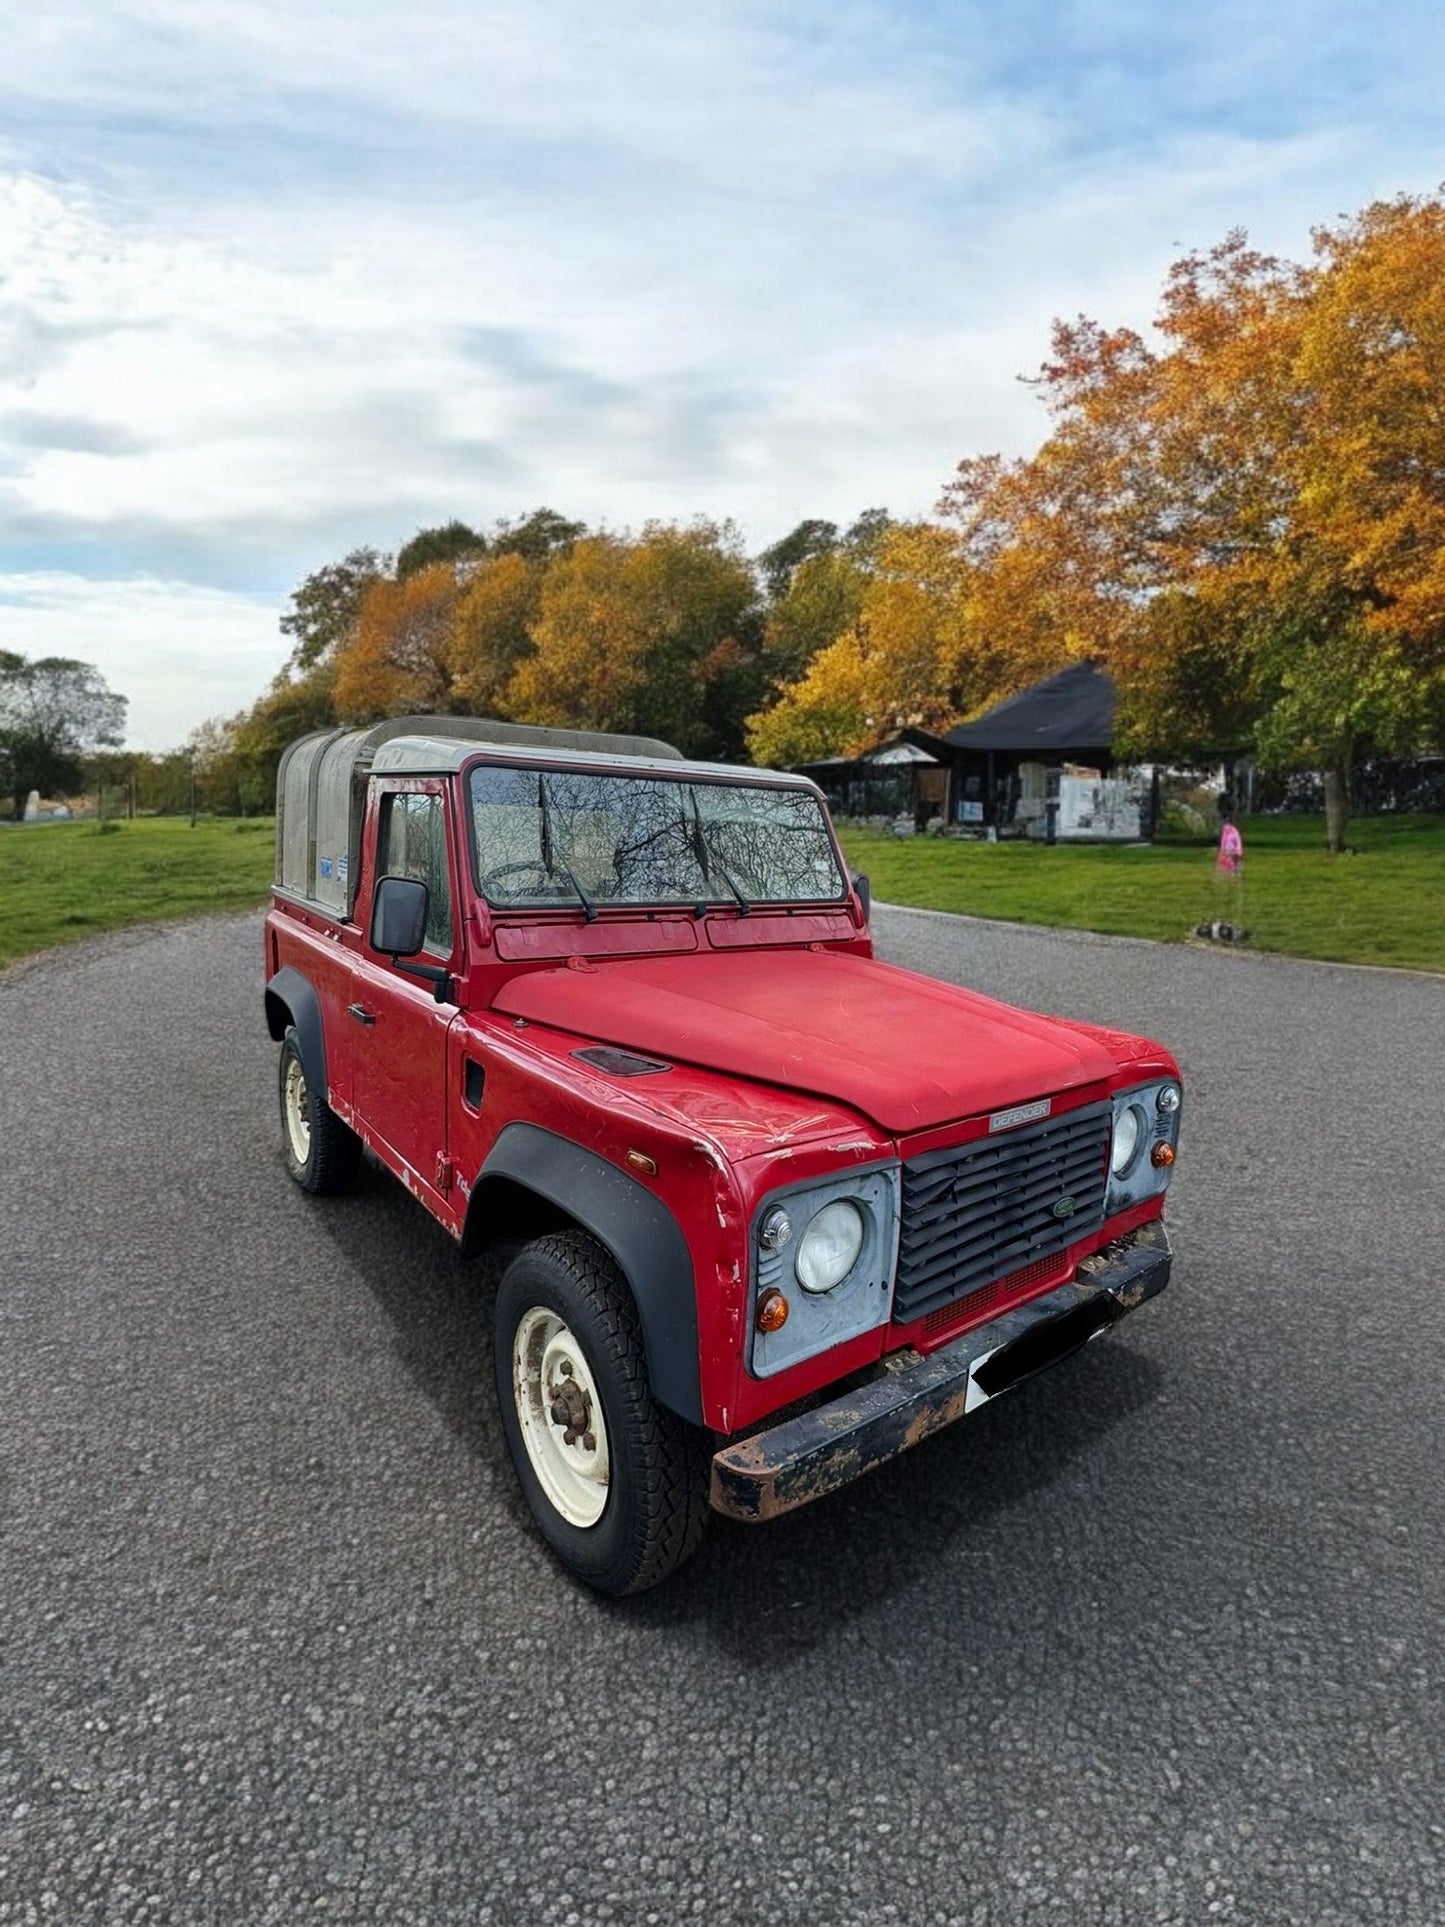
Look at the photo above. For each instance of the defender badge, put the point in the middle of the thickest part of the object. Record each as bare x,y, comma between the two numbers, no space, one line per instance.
1020,1114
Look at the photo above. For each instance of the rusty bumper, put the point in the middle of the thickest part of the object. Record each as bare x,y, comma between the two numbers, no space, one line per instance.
810,1455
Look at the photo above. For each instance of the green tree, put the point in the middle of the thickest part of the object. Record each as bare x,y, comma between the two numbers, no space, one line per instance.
293,706
537,537
822,600
781,562
452,542
816,580
54,711
326,607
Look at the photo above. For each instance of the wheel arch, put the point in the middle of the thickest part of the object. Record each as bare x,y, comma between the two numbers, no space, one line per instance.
292,1003
534,1182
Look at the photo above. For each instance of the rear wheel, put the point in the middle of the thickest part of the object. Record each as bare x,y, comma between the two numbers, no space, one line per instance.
616,1483
320,1152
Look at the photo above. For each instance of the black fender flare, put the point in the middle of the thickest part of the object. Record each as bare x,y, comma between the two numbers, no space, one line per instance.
292,999
634,1225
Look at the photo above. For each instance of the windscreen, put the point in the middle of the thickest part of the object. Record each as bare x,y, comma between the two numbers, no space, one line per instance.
544,838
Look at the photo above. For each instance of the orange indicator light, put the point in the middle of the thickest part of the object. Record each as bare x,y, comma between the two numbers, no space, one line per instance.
640,1161
772,1311
1162,1155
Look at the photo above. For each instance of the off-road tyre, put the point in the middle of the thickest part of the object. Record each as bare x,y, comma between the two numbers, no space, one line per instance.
655,1505
320,1152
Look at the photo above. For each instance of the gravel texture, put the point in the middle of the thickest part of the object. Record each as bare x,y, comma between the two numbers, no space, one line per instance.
1158,1638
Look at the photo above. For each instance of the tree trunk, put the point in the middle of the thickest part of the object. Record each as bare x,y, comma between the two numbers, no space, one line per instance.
1337,804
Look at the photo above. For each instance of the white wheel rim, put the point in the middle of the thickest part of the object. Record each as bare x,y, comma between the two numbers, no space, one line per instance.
297,1109
560,1416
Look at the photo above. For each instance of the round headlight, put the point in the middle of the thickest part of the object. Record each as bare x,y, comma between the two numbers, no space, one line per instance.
828,1249
1128,1130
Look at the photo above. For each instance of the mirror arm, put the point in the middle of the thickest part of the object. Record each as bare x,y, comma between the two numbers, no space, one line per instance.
433,974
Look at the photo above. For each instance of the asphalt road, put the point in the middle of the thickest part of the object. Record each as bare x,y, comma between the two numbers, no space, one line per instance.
1158,1638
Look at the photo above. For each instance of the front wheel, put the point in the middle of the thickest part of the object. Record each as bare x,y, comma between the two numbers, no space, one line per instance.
616,1482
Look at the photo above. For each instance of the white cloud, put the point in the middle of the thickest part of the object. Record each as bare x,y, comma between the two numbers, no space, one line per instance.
278,280
177,652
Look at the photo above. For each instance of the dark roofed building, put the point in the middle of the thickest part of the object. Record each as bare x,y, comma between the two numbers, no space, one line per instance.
1038,764
1042,764
1068,717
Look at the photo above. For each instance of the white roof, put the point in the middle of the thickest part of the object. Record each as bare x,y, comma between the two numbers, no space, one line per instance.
438,756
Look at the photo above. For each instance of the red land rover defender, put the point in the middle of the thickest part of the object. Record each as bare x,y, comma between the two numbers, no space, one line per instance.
770,1211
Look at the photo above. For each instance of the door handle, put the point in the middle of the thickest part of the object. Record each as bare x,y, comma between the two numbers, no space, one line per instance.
362,1014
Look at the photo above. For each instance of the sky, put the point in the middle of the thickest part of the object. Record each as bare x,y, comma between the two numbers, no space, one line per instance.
278,280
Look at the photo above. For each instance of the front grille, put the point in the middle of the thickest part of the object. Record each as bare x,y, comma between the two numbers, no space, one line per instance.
997,1296
977,1212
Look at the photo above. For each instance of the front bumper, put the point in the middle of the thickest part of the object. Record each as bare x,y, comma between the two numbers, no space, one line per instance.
804,1458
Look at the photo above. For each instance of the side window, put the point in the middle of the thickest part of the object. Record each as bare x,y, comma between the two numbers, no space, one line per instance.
413,843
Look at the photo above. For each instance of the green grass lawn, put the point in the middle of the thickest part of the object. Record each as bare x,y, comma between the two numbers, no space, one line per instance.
1384,904
60,881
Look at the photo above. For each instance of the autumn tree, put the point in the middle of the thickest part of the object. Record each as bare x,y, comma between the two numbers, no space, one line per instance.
1357,655
223,782
910,655
657,634
1245,521
491,631
293,706
398,658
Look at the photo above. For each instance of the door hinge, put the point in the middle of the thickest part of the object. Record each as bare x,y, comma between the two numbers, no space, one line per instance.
446,1171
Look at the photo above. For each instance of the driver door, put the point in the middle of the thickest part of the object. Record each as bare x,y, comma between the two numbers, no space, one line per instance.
400,1061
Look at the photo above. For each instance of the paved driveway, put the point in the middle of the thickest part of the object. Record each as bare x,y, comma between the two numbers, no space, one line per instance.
1157,1638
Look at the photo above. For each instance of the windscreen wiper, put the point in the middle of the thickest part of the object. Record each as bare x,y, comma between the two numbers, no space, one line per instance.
709,860
553,858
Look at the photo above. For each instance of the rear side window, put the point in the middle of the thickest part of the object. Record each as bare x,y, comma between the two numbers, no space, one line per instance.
414,844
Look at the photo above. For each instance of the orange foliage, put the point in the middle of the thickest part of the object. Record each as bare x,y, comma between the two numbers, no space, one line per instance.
655,634
1224,520
587,668
491,633
397,659
1371,473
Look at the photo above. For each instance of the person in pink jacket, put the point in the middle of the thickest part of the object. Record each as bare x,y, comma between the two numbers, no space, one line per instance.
1230,860
1229,879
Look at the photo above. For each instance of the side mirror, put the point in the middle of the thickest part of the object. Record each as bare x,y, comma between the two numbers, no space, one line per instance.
398,916
865,894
